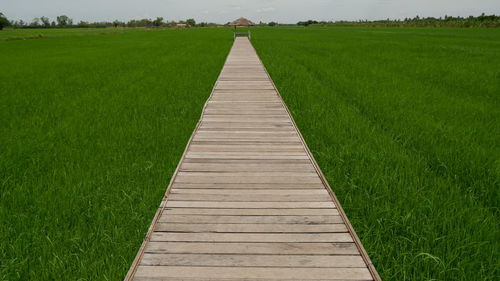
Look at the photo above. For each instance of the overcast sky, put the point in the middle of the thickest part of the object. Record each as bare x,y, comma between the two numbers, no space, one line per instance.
222,11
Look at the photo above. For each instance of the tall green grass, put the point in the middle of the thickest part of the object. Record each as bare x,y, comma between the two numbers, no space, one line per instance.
34,33
405,125
91,130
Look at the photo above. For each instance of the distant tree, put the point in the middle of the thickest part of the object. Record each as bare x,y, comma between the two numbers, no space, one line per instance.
45,21
83,24
170,24
64,21
140,23
4,22
191,22
158,22
35,23
273,23
53,24
307,23
203,24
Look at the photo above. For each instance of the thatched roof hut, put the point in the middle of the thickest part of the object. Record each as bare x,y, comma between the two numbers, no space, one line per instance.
242,22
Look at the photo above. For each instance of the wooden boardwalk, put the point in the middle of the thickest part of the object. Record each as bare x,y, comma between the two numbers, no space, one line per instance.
248,201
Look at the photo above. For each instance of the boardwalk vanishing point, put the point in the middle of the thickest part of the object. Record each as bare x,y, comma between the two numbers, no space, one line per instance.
248,201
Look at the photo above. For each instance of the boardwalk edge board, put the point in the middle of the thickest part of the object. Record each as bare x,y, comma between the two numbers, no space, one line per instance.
184,248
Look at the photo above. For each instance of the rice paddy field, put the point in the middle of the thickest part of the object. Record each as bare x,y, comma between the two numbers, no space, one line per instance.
92,128
18,34
403,122
405,125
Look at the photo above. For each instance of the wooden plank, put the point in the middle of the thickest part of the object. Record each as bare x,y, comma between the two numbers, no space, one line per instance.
247,105
249,228
250,197
279,248
254,77
249,129
259,125
186,178
252,260
239,155
215,147
247,119
247,134
251,212
275,155
242,191
224,111
261,167
247,140
254,272
247,161
248,185
250,205
245,98
237,86
302,174
247,91
213,165
252,237
235,219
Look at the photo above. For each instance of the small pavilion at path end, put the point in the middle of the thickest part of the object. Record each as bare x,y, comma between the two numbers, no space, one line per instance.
242,22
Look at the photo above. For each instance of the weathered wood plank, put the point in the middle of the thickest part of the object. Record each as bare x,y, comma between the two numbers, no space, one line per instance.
251,212
250,205
252,260
235,219
227,155
250,197
258,125
242,191
247,119
280,248
215,147
248,161
248,185
247,134
244,141
254,272
187,178
249,228
262,167
252,237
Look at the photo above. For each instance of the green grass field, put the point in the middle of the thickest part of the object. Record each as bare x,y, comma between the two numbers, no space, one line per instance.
11,34
405,125
403,122
92,128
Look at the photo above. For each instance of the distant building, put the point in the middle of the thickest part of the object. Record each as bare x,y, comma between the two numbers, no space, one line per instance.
183,25
242,22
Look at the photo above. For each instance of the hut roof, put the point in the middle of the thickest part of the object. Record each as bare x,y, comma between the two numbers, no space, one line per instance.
242,22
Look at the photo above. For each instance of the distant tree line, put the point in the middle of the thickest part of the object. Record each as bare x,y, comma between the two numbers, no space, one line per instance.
271,23
64,21
446,21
